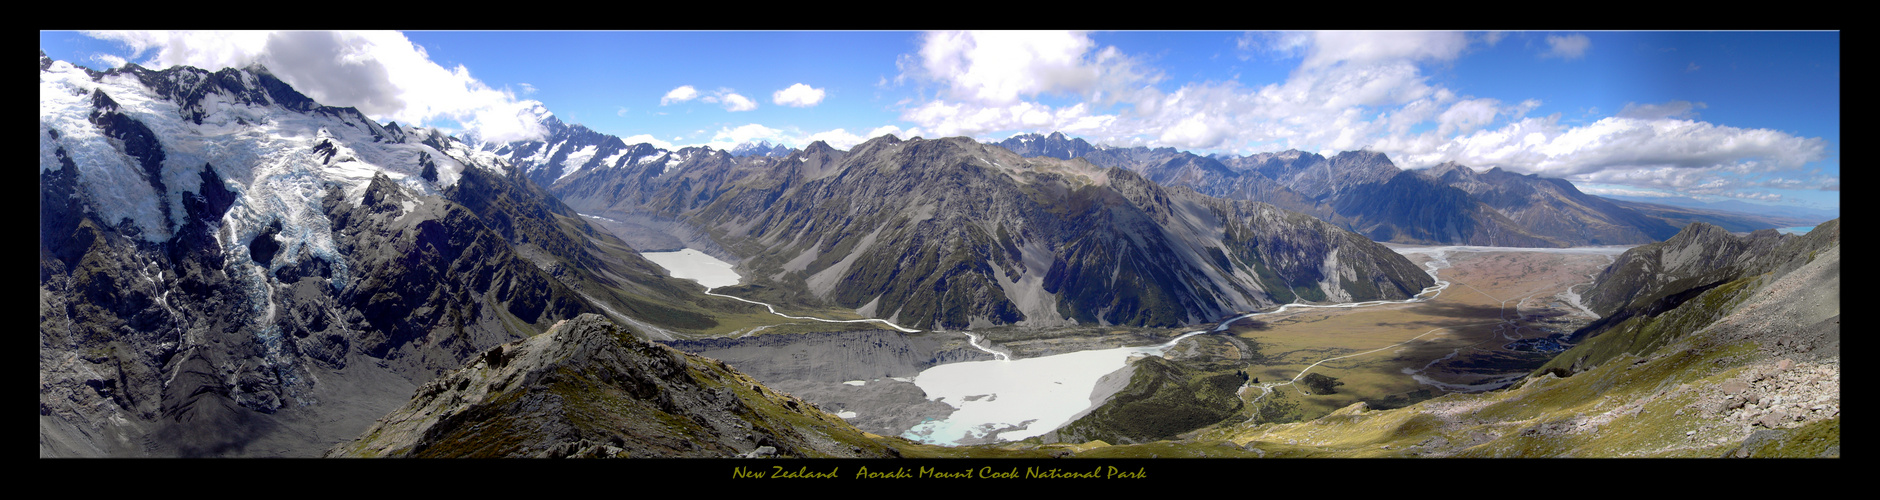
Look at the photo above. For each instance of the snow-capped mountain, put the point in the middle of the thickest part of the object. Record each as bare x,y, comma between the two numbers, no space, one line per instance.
230,268
760,148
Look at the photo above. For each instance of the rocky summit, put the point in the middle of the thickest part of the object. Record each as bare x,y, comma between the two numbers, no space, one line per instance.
589,388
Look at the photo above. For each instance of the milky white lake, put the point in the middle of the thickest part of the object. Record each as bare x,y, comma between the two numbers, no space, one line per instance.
1041,393
695,265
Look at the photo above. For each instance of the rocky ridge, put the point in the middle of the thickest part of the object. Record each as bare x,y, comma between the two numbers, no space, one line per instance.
1364,192
589,388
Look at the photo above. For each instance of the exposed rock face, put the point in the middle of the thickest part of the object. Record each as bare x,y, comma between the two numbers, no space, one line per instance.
760,148
1364,192
228,268
589,388
1553,208
950,233
1656,293
1701,254
1055,145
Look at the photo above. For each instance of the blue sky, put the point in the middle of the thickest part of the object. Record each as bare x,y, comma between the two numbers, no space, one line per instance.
1753,116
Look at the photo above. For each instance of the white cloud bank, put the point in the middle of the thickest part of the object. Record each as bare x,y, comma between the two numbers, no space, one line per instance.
1351,90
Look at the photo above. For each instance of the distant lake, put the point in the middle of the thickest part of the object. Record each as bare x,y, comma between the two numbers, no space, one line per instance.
1796,230
695,265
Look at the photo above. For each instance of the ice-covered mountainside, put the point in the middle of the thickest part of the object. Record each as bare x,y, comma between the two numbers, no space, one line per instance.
566,151
230,268
272,151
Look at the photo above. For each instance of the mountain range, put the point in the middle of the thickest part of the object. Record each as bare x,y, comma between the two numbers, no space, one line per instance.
229,268
951,233
1446,204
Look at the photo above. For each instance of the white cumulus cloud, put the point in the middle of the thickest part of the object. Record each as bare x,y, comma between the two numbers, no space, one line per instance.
1001,67
798,95
731,100
1567,47
681,94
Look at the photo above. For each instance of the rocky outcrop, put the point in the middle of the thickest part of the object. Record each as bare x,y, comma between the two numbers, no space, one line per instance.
1701,254
1656,293
590,388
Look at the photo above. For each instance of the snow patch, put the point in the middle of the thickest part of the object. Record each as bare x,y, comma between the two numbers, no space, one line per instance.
576,160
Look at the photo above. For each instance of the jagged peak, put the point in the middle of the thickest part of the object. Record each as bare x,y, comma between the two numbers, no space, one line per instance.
883,139
1362,155
1699,233
1444,168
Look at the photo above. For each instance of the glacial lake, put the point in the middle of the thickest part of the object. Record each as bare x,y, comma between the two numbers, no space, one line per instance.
696,266
990,397
1041,393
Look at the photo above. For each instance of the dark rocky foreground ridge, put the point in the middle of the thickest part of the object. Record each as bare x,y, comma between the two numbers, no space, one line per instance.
1656,293
590,388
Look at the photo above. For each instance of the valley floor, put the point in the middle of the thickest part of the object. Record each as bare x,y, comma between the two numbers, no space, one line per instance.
1488,328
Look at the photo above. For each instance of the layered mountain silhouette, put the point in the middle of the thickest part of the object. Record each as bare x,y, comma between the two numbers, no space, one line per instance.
1363,191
